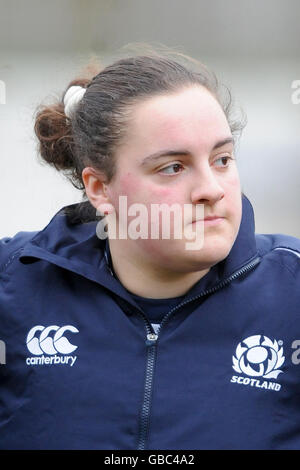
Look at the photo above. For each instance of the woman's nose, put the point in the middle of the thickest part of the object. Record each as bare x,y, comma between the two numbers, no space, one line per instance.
206,188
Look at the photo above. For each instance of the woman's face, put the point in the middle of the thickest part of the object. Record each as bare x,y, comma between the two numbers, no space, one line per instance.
191,124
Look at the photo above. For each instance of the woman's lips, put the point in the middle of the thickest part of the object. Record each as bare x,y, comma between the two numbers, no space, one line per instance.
210,221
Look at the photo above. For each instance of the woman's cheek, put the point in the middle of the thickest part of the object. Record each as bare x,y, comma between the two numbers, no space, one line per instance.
159,195
232,187
138,190
128,186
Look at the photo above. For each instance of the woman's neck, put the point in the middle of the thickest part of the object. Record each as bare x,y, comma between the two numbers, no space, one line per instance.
147,279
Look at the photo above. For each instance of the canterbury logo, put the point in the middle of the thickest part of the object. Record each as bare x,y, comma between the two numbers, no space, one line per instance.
44,343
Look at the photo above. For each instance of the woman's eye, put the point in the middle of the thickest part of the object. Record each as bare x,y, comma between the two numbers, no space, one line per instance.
168,169
224,161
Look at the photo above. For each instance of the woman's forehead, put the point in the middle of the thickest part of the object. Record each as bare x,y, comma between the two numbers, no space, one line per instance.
188,117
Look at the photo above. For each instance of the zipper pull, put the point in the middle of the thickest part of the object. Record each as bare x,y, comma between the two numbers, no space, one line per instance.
151,339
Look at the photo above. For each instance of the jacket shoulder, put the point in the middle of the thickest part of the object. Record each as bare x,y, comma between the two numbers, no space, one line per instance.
284,250
270,242
9,246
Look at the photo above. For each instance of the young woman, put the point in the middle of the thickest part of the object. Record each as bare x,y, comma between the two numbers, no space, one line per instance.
137,342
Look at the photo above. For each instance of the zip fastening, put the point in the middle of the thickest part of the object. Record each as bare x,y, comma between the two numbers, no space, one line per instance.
145,413
151,342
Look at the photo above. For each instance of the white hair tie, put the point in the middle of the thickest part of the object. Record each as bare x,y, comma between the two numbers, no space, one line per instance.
72,97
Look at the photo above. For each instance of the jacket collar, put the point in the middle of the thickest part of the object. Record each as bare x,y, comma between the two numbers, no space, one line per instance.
77,248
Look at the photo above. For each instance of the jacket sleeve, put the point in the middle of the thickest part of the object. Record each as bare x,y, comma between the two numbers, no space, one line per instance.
4,251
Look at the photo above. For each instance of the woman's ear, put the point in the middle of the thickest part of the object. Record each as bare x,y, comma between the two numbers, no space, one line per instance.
95,183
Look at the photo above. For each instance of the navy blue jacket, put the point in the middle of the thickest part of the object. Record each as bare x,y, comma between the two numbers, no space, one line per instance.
82,368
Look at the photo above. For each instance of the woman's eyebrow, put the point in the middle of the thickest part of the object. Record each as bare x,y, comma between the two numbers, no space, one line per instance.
165,153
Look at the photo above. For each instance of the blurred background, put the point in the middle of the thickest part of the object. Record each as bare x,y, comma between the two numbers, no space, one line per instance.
253,47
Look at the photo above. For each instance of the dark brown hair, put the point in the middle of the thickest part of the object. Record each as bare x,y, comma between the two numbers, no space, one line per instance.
99,122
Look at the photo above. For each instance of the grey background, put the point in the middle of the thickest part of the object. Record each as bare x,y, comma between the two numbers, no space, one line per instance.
253,47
